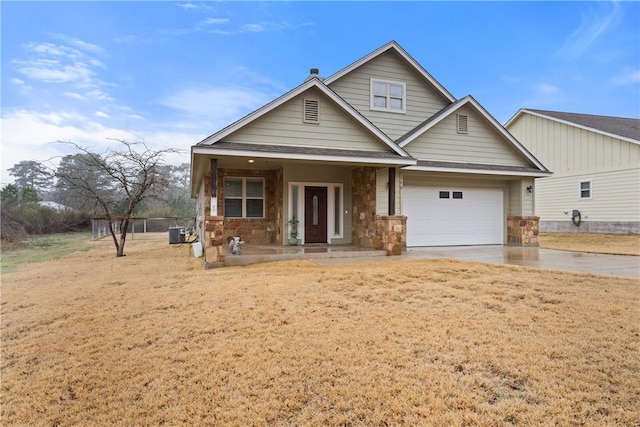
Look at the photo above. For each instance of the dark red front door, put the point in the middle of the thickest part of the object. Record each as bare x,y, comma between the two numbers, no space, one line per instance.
315,215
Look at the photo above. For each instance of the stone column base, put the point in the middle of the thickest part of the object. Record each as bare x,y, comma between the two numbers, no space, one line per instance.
523,230
214,240
390,234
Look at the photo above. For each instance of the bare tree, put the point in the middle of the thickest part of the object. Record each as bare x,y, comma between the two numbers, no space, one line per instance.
116,181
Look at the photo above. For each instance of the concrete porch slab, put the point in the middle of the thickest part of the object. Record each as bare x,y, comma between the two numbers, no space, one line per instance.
254,254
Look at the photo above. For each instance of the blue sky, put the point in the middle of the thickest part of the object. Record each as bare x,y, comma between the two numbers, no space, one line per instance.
172,73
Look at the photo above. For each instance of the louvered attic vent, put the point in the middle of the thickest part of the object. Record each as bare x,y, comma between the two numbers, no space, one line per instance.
311,111
462,123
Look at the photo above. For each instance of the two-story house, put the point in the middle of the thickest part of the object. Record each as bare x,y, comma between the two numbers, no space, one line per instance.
377,155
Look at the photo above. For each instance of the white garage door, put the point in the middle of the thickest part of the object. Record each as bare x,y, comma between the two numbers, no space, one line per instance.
440,216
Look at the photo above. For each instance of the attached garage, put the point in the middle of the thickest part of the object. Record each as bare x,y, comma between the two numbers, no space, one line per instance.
443,216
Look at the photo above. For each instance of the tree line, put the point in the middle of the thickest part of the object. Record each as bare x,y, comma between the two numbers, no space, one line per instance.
119,184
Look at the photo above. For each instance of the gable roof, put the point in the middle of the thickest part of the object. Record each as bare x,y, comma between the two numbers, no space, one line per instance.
313,82
617,127
392,46
471,102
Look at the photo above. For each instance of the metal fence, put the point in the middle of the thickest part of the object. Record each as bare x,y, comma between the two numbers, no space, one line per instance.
142,228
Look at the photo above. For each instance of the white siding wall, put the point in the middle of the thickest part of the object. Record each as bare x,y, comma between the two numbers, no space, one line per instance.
482,144
575,154
566,149
284,126
615,197
423,101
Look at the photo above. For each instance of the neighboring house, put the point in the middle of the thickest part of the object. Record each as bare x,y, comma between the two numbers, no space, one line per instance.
378,155
595,161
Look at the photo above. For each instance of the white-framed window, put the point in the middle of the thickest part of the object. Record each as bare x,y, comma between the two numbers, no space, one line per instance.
388,96
243,197
585,189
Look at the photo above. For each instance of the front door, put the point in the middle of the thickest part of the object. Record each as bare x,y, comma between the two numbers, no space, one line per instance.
315,215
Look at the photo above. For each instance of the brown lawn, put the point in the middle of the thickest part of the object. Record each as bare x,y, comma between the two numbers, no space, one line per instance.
154,339
616,244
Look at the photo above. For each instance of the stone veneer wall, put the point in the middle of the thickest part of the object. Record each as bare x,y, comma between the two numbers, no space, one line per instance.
214,241
523,230
371,230
391,234
258,231
363,211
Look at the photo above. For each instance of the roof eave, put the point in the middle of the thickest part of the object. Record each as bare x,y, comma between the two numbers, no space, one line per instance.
471,170
569,123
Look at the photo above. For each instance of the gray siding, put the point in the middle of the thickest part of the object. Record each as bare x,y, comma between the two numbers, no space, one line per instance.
423,101
520,200
284,126
382,195
482,144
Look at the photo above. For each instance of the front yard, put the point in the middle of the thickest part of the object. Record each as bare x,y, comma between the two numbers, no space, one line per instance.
153,339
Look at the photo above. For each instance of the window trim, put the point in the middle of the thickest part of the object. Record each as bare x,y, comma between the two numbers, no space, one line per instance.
244,197
388,109
580,189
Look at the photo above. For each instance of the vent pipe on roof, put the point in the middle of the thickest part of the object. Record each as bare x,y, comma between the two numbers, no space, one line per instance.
313,72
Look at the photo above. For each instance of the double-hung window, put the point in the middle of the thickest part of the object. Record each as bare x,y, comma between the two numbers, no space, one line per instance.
585,189
388,96
244,197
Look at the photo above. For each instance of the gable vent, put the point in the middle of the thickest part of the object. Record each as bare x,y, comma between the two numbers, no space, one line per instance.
462,123
311,111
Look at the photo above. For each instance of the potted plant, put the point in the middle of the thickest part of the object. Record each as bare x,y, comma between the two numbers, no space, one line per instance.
293,234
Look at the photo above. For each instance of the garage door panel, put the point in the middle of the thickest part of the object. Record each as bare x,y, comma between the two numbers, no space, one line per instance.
475,219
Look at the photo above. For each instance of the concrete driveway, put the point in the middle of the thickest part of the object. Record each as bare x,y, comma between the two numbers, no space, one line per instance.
547,259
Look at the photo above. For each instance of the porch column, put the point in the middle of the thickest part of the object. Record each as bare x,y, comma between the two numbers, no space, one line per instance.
213,187
392,191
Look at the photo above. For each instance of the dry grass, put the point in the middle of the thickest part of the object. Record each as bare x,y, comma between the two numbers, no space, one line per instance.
153,339
615,244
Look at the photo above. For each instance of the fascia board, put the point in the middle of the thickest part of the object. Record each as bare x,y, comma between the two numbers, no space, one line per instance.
476,171
211,150
507,135
573,124
362,120
397,48
314,82
470,100
258,113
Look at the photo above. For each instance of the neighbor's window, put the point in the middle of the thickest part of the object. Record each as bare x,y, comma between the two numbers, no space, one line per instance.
244,197
388,96
585,189
444,194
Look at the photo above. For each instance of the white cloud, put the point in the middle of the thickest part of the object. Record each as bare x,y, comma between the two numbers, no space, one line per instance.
626,77
135,116
214,21
547,89
74,95
187,5
33,135
102,114
593,25
223,104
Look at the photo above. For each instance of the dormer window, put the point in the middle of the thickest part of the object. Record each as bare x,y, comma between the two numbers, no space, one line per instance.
388,96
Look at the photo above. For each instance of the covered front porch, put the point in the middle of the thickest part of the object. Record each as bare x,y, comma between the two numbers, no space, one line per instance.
292,208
